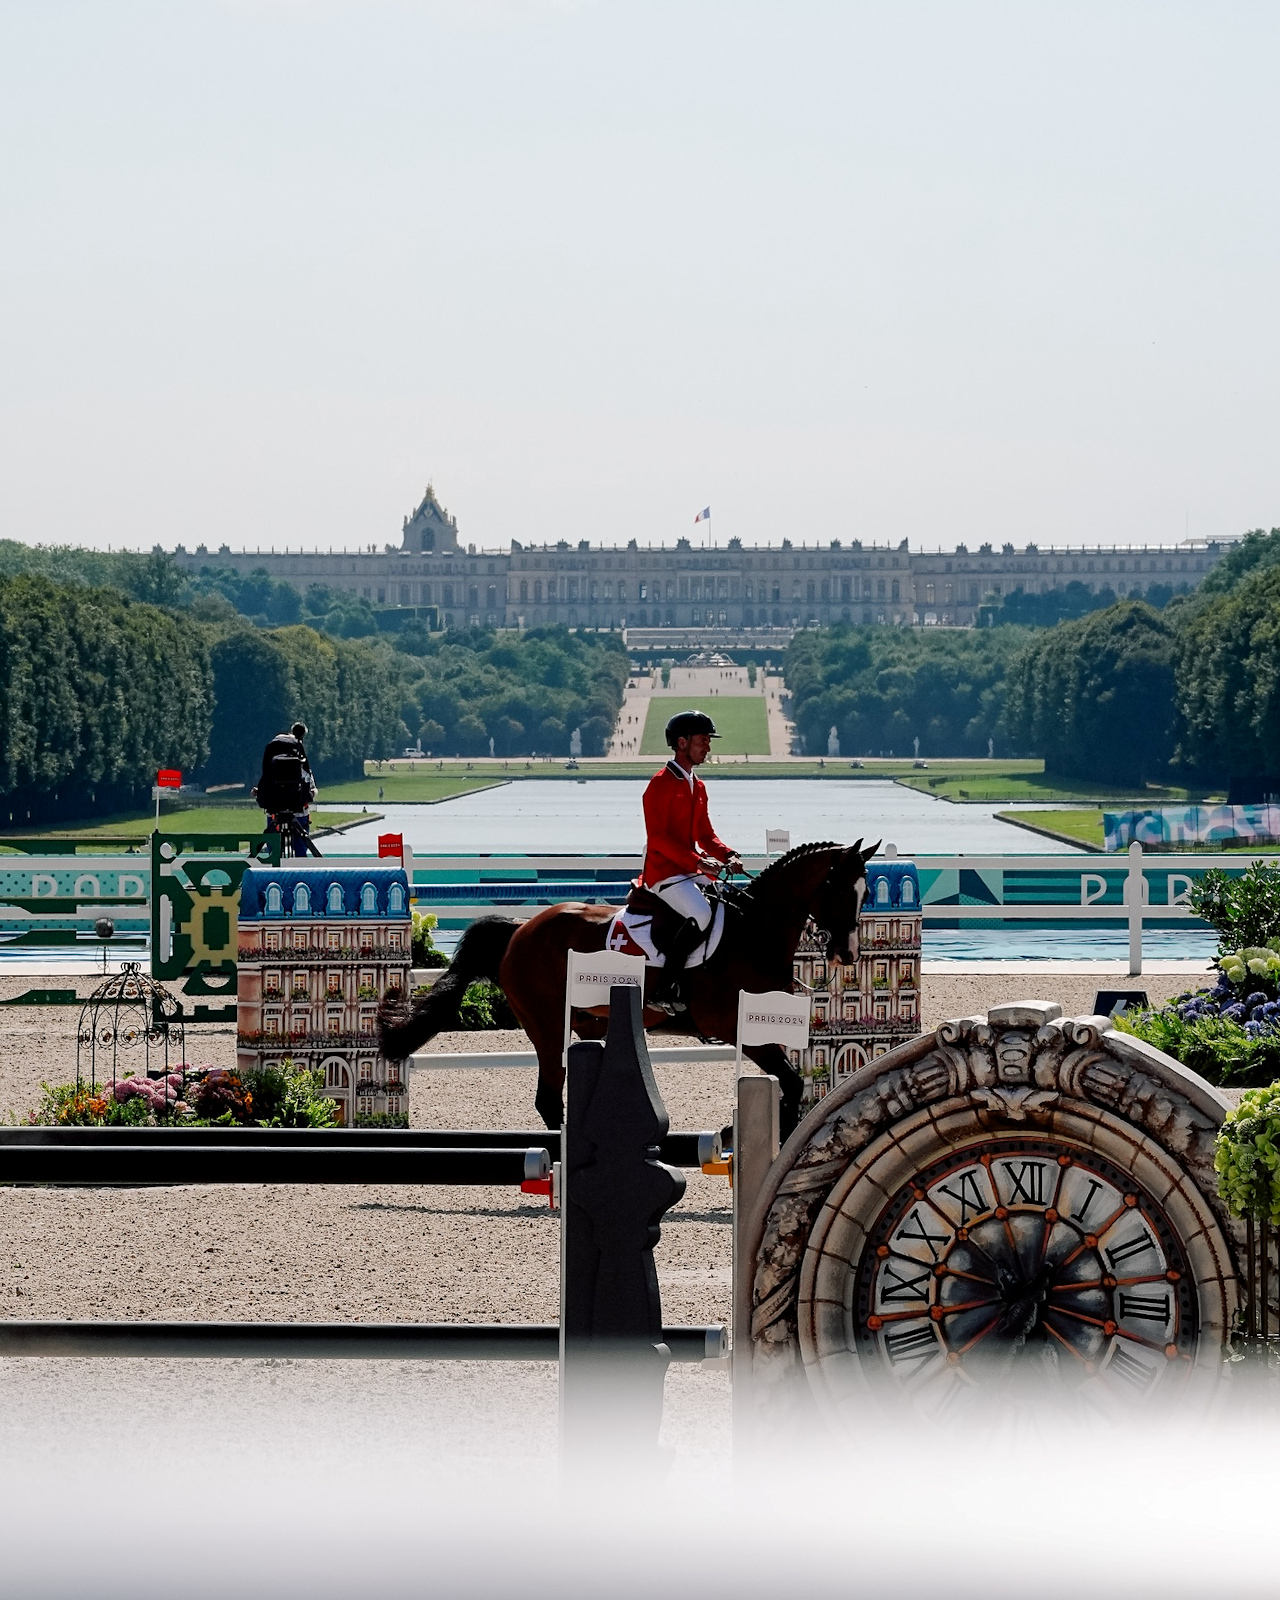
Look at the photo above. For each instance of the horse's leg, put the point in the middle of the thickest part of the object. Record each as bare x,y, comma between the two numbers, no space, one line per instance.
533,979
773,1059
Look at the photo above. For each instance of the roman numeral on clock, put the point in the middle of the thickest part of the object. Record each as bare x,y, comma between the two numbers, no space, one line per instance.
894,1286
1127,1366
920,1233
1145,1307
1026,1182
1083,1212
909,1344
970,1196
1117,1253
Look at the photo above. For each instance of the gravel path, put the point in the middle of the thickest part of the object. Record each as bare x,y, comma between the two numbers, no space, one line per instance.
320,1253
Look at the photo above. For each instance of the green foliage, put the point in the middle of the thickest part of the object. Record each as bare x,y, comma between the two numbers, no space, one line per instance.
1244,910
1215,1047
339,612
484,1006
96,693
288,1096
346,691
269,602
883,687
68,1105
382,1119
1247,1156
1073,600
1229,684
425,953
526,692
1253,554
1095,697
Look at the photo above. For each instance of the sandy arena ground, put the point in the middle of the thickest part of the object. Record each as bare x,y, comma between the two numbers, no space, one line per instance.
320,1254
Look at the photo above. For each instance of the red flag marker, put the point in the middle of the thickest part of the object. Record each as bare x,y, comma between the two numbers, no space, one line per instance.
390,844
168,778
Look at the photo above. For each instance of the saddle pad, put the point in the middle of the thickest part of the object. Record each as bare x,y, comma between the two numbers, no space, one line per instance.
631,933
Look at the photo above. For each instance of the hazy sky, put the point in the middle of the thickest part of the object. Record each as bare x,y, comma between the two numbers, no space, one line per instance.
906,270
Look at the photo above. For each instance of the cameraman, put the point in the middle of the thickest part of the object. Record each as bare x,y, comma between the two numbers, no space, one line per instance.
287,787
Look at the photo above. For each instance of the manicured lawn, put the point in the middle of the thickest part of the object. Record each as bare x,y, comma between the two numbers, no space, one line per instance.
740,719
1086,826
200,819
399,783
995,783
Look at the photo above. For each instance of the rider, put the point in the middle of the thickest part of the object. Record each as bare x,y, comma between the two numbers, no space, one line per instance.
682,850
287,785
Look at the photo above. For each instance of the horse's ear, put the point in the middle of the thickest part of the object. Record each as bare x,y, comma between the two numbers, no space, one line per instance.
867,854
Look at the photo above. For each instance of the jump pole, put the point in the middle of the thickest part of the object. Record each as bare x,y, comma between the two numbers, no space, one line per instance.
774,1017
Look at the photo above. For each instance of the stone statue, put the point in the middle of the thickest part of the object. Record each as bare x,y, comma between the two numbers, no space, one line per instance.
833,743
575,743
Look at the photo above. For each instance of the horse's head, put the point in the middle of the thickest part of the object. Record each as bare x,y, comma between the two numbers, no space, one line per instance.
839,902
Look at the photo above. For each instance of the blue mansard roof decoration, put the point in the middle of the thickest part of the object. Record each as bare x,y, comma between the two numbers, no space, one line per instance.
892,886
325,892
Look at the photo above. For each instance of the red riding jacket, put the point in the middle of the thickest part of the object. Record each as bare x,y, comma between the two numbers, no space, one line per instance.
677,825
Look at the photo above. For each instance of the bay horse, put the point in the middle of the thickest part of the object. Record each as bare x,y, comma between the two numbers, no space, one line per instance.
529,962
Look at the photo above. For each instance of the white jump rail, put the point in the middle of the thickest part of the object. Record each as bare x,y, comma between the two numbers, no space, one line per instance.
452,1060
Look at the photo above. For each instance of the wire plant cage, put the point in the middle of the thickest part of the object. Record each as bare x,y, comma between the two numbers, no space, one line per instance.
130,1027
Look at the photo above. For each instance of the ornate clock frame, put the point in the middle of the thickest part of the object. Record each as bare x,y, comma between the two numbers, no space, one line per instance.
1016,1194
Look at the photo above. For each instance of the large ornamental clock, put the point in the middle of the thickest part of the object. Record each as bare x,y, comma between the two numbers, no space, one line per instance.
1017,1199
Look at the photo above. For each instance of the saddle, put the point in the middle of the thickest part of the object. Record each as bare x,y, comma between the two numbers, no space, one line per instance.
642,902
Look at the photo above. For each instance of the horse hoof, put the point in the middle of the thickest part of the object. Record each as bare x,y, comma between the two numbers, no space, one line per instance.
550,1107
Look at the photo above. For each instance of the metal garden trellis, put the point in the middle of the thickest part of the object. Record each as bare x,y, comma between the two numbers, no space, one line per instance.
130,1026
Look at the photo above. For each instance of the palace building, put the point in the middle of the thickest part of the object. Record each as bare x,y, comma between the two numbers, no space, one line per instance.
669,589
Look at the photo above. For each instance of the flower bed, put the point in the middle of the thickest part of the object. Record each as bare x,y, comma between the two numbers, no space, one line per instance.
287,1096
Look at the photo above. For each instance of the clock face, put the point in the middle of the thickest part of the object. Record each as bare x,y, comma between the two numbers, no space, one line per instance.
1024,1258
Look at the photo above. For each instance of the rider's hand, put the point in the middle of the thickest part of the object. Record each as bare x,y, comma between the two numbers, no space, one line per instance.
733,865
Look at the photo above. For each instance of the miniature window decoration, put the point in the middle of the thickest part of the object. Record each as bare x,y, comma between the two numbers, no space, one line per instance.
368,900
273,941
301,899
275,899
335,897
395,898
335,939
299,940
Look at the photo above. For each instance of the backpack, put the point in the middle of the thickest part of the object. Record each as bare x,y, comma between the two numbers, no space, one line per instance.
285,784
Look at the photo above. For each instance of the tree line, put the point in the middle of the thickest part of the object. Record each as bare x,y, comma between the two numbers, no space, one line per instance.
1188,693
883,688
100,689
526,692
98,692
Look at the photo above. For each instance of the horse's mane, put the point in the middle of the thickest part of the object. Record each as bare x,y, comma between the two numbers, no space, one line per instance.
767,881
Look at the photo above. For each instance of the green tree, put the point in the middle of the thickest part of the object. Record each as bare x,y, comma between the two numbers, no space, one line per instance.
1096,697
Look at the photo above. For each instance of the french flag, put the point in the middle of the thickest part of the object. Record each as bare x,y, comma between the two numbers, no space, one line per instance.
704,515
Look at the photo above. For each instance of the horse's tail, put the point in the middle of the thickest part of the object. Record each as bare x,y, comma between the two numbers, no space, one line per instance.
402,1029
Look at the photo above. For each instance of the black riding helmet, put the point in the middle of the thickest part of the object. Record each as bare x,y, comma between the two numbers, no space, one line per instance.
686,723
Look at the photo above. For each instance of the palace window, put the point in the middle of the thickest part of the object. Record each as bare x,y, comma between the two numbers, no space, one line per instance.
273,941
275,899
395,898
333,983
301,899
335,897
368,900
335,939
393,941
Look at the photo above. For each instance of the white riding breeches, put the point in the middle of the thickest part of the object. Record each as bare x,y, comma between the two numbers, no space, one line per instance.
685,895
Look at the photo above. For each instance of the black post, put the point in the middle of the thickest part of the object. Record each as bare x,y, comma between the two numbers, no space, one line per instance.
615,1192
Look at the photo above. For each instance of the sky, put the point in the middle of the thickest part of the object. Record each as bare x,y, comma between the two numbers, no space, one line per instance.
911,270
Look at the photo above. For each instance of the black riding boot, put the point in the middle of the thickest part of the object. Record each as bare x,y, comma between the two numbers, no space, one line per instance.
684,941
